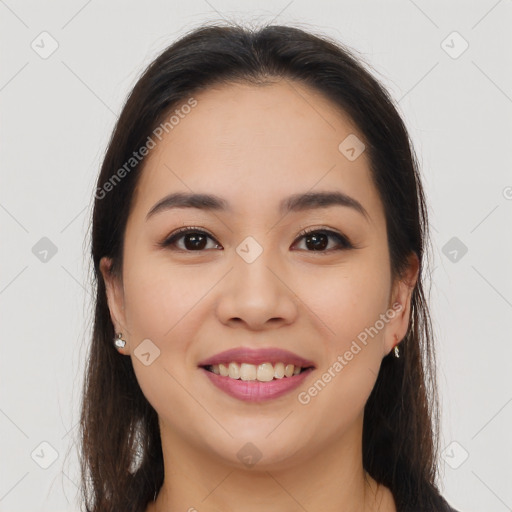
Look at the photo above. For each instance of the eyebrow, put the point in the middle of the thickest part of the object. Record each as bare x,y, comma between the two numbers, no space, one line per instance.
293,203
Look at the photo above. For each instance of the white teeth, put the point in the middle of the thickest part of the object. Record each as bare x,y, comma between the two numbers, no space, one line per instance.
279,370
264,372
234,371
288,371
247,371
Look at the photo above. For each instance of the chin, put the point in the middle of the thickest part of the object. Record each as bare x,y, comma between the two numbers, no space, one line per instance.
257,452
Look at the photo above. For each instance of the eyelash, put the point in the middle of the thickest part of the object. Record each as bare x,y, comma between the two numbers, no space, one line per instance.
343,241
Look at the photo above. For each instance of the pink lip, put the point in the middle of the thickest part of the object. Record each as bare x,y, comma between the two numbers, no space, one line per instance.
257,356
255,391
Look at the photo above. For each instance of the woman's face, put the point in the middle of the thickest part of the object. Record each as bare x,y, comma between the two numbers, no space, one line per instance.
245,278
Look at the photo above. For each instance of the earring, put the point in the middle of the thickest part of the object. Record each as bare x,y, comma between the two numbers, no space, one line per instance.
119,342
411,330
395,348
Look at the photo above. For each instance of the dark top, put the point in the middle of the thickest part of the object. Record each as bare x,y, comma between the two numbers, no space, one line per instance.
448,507
437,504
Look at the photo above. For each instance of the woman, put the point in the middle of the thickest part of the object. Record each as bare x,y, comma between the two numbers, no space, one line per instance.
261,339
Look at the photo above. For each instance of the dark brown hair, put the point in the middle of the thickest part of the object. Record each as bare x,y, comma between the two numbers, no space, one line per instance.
121,460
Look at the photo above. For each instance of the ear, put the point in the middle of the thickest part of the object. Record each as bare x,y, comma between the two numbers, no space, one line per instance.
115,298
400,303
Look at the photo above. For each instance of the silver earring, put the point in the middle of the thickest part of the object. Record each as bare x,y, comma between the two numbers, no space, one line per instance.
411,330
119,342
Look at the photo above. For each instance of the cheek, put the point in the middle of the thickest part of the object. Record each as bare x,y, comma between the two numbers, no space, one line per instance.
348,300
162,304
160,296
350,306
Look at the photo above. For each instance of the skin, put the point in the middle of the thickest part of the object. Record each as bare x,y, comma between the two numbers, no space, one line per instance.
254,146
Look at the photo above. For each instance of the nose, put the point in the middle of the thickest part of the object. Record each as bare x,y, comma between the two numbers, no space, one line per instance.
257,295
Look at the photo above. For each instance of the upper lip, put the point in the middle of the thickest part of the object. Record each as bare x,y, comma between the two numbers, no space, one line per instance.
257,356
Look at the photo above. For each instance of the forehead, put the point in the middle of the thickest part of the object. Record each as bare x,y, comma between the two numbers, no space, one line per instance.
255,145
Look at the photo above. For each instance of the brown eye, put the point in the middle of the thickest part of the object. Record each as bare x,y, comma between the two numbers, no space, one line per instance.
318,240
193,239
196,240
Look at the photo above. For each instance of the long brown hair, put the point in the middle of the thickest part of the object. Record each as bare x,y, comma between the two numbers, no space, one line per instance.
121,461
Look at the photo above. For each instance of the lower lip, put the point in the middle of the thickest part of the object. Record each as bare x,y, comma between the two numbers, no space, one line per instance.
256,391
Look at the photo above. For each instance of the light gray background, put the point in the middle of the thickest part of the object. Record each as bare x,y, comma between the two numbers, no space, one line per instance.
57,116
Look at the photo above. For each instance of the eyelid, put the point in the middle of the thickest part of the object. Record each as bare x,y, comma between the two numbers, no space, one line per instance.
333,233
343,240
178,233
186,229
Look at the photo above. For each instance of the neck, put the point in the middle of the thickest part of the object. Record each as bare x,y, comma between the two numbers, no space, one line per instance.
331,480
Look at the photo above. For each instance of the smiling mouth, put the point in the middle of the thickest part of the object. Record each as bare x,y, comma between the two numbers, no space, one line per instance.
264,372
